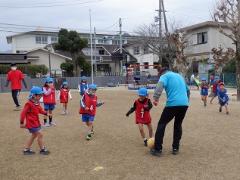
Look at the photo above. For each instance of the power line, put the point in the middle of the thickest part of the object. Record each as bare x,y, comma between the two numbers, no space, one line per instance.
48,6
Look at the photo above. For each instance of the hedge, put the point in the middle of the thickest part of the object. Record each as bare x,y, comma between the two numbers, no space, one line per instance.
30,70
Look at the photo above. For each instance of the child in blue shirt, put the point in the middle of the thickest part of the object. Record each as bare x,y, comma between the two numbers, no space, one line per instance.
204,91
83,86
223,97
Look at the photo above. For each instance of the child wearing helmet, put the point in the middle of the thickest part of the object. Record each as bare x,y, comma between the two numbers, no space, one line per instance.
88,107
223,97
83,86
142,107
49,100
29,119
204,91
64,95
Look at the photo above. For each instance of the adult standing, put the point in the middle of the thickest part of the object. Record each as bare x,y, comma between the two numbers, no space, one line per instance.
176,107
15,77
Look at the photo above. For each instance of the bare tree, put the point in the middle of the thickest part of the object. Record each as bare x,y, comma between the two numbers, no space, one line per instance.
222,58
178,43
227,14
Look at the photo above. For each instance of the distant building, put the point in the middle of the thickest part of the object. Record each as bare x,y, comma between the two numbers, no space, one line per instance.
202,38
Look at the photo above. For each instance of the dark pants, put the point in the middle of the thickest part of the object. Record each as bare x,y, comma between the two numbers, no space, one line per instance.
167,115
15,96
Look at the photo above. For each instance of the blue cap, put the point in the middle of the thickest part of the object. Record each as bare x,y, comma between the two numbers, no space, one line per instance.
49,80
36,90
65,83
84,78
92,86
216,77
143,92
203,79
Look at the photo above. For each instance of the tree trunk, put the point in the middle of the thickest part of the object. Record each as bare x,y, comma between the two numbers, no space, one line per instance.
238,70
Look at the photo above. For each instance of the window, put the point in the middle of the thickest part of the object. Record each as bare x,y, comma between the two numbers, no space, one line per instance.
202,38
100,41
155,65
54,39
145,50
136,50
101,52
41,39
146,65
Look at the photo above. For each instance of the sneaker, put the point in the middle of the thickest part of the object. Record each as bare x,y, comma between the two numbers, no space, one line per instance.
17,108
44,151
155,152
46,125
175,151
220,109
92,132
63,113
28,152
88,137
145,142
52,124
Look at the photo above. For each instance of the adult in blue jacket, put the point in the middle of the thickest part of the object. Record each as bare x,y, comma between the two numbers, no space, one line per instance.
176,107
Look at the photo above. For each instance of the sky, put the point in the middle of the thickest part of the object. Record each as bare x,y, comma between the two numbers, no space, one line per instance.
74,14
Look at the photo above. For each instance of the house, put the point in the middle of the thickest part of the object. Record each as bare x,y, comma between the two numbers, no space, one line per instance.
37,56
201,39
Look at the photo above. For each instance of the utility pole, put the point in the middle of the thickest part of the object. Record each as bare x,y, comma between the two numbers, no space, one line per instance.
121,44
95,52
91,38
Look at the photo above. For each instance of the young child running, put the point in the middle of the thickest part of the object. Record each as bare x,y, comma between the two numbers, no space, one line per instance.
204,91
142,107
88,107
83,86
64,95
49,100
223,98
30,113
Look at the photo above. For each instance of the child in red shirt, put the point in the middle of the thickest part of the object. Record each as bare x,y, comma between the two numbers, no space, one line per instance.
142,107
88,107
29,115
64,95
49,100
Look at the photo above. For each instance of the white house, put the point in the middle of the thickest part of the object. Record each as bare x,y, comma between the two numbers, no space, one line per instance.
202,38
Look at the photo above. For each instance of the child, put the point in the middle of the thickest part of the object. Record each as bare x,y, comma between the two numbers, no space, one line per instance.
30,113
215,88
142,107
49,100
83,86
64,95
88,108
204,91
223,98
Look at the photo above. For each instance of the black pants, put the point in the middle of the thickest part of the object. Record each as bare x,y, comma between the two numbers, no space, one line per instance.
167,115
15,96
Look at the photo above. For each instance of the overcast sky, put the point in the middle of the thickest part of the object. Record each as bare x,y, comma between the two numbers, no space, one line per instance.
74,14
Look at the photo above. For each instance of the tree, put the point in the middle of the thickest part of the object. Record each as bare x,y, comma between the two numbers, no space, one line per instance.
84,65
178,42
227,14
68,68
148,37
222,58
71,42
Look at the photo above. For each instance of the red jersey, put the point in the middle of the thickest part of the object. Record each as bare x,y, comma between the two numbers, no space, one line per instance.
89,101
15,77
142,115
49,96
30,112
64,95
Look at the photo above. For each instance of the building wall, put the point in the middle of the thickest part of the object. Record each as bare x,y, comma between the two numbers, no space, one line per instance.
56,61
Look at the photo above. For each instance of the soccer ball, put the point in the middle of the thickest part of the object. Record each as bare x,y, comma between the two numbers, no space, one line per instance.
150,143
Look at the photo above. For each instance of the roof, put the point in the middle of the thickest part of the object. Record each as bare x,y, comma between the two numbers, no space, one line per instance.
8,58
57,54
204,24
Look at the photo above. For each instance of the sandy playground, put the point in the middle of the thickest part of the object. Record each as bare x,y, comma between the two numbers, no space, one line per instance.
209,148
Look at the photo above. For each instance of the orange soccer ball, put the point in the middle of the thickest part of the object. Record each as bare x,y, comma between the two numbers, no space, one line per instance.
150,143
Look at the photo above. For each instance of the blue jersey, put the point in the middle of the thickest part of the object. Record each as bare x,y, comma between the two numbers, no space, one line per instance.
223,97
83,87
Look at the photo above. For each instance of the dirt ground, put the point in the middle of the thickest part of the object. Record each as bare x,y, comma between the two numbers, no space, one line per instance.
209,147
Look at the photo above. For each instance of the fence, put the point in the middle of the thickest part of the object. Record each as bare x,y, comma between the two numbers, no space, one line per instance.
101,81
